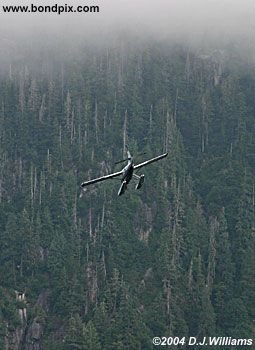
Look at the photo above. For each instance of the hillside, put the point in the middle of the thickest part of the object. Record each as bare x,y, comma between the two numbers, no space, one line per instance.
99,271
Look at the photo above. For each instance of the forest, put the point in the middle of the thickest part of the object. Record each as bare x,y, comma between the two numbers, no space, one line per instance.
96,271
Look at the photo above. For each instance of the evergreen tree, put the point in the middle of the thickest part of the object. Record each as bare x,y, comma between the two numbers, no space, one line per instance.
90,337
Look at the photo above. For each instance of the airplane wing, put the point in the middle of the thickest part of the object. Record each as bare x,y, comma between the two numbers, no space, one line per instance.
102,178
150,161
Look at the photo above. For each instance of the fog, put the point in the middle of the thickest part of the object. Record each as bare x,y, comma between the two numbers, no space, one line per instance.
192,21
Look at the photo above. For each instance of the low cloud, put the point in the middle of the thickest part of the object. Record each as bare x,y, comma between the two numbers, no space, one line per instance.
191,20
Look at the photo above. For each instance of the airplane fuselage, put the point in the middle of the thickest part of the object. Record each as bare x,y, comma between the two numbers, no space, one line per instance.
128,172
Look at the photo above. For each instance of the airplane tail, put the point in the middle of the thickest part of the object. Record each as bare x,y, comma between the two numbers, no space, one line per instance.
129,157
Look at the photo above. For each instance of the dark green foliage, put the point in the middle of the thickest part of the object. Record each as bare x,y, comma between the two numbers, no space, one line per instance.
176,258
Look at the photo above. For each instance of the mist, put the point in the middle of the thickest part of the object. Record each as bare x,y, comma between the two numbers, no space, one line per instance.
165,18
196,23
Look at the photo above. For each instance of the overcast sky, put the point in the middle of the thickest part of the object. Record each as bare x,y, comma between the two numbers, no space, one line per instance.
163,18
